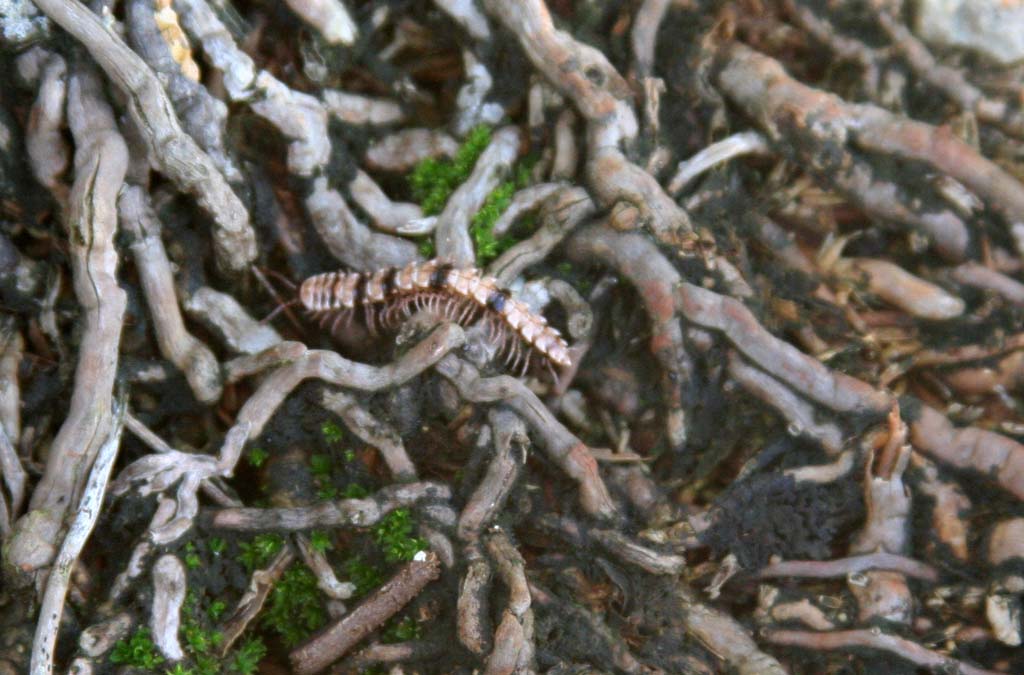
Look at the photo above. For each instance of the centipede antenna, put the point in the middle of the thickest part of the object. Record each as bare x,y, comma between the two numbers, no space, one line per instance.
267,286
277,310
288,283
282,306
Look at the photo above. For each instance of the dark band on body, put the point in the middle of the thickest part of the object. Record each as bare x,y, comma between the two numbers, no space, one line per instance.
497,299
440,275
389,281
360,292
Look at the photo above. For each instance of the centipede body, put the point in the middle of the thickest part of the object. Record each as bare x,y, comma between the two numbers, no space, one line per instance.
461,295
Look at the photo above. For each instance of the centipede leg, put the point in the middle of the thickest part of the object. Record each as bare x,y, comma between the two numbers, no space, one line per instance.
447,309
513,355
554,375
390,315
504,345
337,320
526,363
515,364
402,310
452,309
467,313
368,315
343,318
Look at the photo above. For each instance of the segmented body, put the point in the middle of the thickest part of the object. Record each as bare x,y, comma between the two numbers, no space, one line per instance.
461,295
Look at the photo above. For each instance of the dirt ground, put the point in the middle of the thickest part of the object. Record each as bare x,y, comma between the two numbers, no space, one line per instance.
661,336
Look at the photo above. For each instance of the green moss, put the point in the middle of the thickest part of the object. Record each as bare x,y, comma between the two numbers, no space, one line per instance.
192,559
355,491
320,541
401,631
216,609
198,640
201,643
294,609
258,552
476,142
432,181
326,492
331,432
427,248
216,545
137,651
320,466
247,659
206,664
257,456
430,184
364,576
481,227
393,535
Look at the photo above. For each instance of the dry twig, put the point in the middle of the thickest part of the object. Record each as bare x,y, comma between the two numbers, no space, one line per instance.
339,638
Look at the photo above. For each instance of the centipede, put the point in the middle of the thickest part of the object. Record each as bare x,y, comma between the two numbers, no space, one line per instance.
386,297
